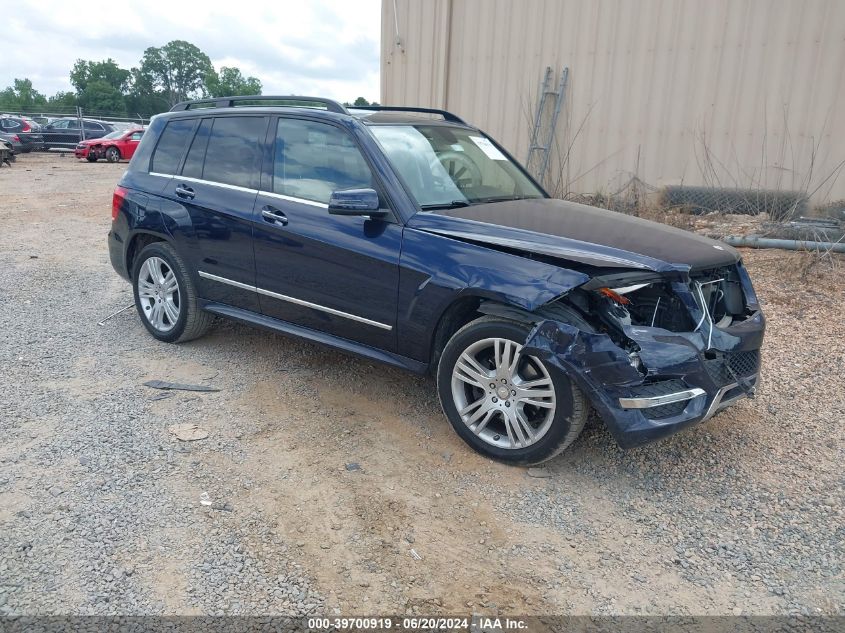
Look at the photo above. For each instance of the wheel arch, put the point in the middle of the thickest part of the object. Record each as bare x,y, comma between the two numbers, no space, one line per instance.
468,307
137,243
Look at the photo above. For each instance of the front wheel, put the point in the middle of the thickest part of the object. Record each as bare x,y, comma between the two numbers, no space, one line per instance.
165,295
91,158
509,406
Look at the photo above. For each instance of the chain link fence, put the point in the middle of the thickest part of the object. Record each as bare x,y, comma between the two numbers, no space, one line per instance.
782,205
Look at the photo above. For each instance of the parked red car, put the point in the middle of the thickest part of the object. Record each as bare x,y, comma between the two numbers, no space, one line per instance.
112,147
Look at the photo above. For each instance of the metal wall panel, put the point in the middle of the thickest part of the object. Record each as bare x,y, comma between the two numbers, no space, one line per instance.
745,93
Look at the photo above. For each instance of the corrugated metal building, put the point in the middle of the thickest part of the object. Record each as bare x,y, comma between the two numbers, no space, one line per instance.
747,93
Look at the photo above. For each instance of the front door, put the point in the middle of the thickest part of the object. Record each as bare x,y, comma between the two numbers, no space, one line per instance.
335,274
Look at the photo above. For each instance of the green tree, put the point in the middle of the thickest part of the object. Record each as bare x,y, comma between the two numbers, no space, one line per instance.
360,101
230,82
21,96
143,99
100,97
106,72
177,70
62,102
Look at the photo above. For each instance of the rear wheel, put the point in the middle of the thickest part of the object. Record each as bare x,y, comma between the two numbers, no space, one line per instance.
112,154
507,405
165,296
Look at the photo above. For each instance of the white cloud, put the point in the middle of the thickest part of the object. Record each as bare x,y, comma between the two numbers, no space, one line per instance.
317,47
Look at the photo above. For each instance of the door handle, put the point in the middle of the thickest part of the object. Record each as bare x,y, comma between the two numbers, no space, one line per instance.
184,191
274,215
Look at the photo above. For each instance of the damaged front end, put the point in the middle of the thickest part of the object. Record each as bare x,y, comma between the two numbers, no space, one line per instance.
655,352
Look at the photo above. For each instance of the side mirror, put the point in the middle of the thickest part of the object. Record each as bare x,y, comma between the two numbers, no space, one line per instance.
355,202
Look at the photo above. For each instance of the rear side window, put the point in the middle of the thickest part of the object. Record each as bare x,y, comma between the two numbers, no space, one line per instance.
314,159
171,146
234,151
196,155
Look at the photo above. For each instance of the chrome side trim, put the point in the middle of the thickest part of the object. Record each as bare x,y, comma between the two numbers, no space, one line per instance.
313,203
656,401
213,183
224,280
317,306
270,194
307,304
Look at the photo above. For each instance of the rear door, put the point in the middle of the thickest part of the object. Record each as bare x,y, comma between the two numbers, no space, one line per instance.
210,200
335,274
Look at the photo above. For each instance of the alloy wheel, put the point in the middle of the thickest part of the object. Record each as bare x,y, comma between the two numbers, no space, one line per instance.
158,293
507,399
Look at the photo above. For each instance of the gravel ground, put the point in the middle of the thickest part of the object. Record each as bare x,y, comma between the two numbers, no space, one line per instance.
337,486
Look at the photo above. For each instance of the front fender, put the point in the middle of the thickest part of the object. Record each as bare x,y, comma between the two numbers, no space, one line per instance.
435,271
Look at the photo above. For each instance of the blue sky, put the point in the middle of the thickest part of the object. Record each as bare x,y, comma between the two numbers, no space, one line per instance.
316,47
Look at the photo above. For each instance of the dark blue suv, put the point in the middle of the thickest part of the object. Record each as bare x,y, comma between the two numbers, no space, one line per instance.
407,236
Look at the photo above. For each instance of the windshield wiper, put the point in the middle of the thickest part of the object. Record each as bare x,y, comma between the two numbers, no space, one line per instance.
507,198
455,204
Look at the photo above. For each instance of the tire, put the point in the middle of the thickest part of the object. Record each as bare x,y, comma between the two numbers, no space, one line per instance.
90,158
178,317
556,419
113,155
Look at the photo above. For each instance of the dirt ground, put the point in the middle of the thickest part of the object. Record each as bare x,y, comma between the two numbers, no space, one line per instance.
345,475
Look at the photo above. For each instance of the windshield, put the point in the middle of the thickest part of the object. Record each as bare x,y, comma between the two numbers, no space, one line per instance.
117,134
452,167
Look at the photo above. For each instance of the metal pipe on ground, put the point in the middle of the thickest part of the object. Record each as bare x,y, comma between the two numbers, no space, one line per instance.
789,245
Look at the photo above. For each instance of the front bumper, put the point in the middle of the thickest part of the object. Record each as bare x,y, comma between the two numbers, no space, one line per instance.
688,376
81,152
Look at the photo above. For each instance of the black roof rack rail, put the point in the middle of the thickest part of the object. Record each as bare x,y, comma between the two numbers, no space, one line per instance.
230,102
447,116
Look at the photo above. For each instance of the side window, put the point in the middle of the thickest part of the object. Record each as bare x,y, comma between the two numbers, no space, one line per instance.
171,146
60,125
93,127
314,159
196,155
72,124
234,151
137,136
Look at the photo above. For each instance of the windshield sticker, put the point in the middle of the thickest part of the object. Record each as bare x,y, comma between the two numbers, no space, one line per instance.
488,148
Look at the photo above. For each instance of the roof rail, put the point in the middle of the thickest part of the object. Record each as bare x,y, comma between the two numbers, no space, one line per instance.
447,116
230,102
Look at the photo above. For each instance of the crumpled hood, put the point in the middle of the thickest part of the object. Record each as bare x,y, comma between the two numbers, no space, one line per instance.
580,233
